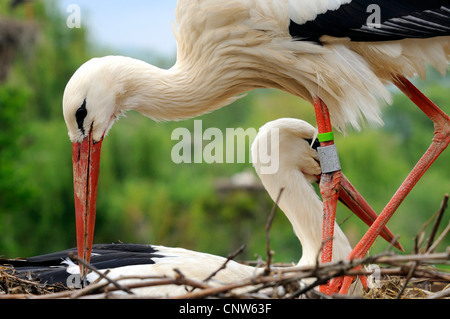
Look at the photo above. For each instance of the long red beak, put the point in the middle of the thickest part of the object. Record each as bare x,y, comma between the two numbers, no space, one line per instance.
350,197
86,166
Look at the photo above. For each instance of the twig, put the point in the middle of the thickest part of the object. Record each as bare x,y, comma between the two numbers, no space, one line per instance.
229,258
430,246
441,294
302,291
256,280
411,271
115,283
345,219
319,251
178,280
444,205
441,238
392,244
268,227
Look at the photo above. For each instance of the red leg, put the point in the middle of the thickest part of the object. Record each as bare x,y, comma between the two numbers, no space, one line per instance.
440,142
329,188
346,282
436,115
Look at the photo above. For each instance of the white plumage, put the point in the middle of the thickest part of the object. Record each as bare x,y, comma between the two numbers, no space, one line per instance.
302,11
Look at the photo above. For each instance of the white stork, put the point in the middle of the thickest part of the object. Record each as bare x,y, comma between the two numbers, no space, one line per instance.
298,167
337,54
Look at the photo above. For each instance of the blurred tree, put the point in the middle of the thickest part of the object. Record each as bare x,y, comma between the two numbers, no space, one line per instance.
35,170
14,191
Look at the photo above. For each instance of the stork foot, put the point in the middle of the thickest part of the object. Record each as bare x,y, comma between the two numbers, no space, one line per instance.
342,285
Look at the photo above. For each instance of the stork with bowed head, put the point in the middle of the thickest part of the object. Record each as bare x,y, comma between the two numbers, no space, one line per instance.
297,166
323,51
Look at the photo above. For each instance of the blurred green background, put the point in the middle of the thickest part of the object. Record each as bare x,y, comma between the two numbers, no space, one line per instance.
143,196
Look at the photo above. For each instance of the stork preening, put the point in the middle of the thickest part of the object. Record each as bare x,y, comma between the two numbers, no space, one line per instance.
337,54
298,167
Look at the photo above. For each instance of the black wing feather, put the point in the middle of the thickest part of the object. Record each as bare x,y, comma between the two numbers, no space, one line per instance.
399,19
48,268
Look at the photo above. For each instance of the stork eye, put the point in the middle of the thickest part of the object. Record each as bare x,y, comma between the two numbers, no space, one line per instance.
314,144
80,115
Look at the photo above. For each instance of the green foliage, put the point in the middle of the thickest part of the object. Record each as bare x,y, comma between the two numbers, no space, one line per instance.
13,191
144,197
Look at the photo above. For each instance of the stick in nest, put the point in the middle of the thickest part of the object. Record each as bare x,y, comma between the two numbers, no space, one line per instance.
115,283
440,213
430,246
229,258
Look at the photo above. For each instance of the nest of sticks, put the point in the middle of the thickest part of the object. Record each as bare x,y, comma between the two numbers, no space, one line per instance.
421,275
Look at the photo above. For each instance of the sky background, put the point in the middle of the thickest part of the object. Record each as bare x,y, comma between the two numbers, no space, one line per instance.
128,24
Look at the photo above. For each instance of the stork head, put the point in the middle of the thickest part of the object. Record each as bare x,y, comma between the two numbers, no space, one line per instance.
90,100
90,109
